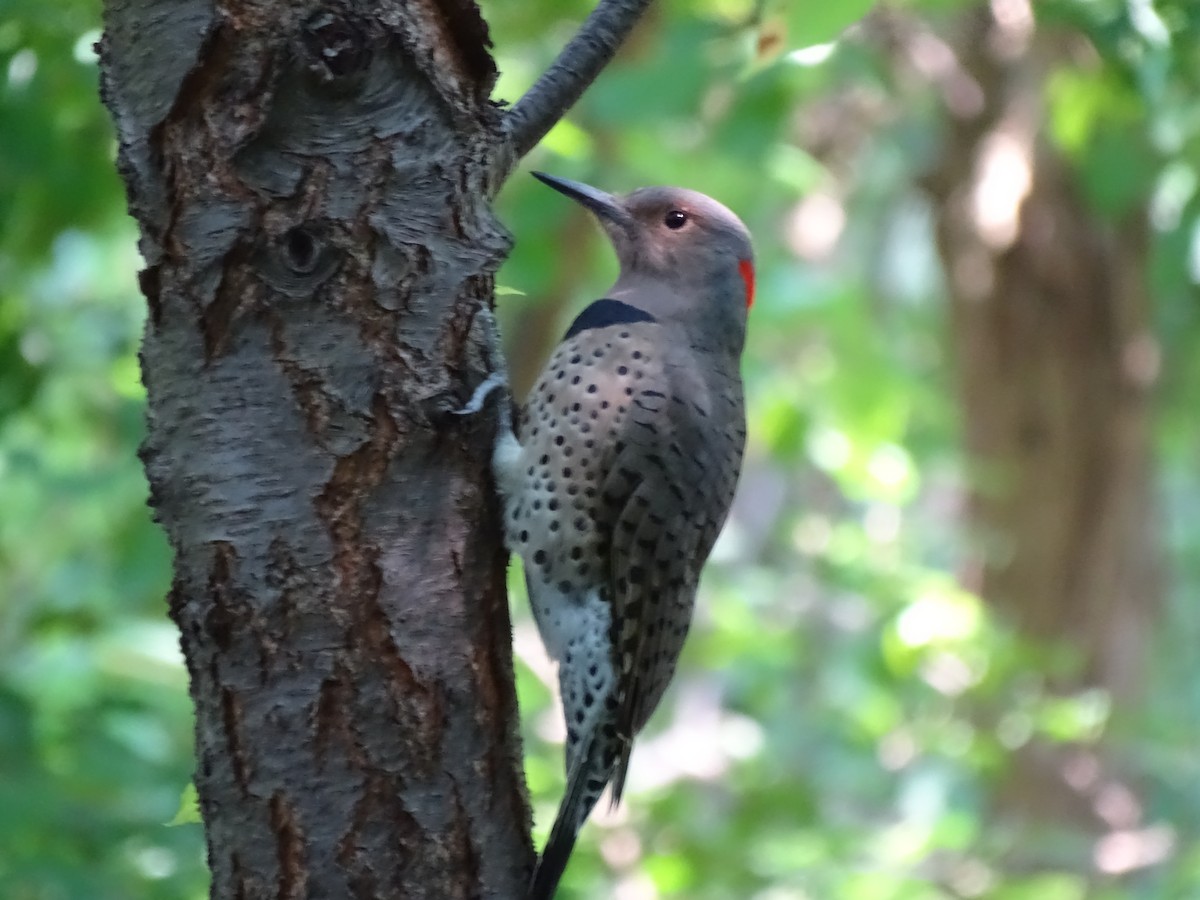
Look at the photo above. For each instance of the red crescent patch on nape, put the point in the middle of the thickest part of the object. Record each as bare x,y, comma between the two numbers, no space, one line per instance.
746,268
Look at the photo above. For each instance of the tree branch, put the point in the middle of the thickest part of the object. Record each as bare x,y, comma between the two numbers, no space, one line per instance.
569,75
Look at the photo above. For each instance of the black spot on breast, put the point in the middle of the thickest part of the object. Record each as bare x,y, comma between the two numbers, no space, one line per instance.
606,312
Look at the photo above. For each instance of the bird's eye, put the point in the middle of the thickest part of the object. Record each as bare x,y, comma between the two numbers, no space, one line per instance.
675,219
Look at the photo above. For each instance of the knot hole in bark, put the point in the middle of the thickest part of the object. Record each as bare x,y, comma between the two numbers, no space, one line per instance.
337,47
299,260
300,248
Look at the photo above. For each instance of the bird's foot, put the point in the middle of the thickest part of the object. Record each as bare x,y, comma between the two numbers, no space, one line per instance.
497,380
485,334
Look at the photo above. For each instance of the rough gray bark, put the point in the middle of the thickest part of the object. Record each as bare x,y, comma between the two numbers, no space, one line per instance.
312,186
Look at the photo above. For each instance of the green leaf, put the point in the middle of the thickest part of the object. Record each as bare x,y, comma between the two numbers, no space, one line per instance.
1118,171
819,23
189,807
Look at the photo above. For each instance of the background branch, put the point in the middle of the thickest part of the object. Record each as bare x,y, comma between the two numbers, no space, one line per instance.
575,68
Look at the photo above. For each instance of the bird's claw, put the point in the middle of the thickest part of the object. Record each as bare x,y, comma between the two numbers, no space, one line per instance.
482,392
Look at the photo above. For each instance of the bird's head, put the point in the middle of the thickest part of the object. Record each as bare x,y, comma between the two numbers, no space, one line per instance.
677,248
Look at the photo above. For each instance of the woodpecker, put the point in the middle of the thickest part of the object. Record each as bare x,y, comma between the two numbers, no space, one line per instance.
622,474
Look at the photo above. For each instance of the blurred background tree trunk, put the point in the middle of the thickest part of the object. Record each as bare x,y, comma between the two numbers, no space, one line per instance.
1050,332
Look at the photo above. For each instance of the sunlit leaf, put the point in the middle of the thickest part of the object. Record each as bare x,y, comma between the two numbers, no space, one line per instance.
189,807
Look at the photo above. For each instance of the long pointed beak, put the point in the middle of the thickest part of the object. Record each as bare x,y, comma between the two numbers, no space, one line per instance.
606,206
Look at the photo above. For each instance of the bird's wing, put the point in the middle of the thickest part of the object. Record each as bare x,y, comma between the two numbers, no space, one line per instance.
676,470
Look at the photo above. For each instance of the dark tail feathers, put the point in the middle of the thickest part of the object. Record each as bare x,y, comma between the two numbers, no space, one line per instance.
553,862
582,794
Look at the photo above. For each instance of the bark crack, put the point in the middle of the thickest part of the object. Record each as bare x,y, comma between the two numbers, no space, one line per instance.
231,712
289,843
308,385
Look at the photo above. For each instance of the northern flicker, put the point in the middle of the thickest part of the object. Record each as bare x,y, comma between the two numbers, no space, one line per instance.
622,474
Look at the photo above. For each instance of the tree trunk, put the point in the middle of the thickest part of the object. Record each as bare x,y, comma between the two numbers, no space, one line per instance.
1050,326
312,189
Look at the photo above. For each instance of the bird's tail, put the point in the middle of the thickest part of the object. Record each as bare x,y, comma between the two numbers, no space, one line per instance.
585,782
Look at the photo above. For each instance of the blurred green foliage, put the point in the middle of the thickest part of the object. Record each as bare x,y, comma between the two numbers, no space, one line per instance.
843,708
